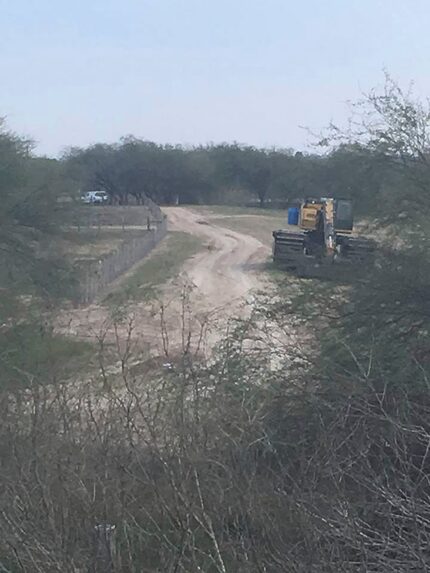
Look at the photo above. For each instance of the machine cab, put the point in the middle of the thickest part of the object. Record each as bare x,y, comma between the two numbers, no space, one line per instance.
343,216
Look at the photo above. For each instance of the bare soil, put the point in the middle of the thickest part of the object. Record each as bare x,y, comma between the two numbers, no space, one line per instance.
194,307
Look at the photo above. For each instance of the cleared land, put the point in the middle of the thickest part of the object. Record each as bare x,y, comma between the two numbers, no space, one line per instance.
228,210
206,289
258,223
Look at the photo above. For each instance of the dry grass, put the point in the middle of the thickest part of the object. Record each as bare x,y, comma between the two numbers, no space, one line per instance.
95,243
144,280
258,223
228,210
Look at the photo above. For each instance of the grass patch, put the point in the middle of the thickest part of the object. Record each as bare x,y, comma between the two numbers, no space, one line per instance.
143,282
229,210
10,306
260,228
95,243
32,354
258,223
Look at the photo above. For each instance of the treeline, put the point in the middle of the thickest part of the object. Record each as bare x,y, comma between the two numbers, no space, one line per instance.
381,162
224,173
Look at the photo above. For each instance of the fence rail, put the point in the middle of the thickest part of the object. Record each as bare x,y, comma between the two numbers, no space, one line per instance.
96,275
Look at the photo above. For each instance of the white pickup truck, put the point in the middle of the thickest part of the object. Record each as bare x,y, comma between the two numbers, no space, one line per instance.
95,197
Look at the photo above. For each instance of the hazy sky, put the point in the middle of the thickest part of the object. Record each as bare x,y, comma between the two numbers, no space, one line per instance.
191,71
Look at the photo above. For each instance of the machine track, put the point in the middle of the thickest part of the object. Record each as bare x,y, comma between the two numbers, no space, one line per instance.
290,252
359,250
288,248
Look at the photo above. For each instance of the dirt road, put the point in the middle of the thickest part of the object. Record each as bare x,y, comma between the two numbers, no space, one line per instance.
212,286
225,272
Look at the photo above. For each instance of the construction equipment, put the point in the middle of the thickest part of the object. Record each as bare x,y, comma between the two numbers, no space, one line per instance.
325,237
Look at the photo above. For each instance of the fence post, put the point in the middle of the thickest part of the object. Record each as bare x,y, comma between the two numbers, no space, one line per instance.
104,548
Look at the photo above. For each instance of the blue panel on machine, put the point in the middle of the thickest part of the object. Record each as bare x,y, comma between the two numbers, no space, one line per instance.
293,215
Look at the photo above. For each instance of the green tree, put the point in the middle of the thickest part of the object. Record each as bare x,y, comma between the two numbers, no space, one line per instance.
393,128
29,215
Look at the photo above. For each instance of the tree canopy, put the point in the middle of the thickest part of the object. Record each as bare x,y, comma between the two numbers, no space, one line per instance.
29,213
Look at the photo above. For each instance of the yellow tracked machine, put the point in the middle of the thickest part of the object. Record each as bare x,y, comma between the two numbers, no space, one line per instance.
325,237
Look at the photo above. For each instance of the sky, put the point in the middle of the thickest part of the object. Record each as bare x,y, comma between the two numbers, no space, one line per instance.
259,72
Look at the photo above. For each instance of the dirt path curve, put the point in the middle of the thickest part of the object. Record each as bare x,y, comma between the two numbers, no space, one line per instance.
222,274
218,282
